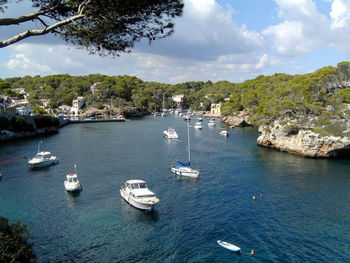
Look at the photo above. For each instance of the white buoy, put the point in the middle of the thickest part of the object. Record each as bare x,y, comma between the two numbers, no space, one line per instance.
254,197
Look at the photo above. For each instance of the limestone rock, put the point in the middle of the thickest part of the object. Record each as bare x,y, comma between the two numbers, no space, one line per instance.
290,138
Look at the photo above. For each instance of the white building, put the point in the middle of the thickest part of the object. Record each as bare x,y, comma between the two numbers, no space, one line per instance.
215,109
24,109
77,104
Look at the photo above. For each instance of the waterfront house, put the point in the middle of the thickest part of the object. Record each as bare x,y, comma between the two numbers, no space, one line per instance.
77,104
215,109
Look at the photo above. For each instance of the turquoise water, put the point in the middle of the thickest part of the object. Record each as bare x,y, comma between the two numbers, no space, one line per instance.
303,216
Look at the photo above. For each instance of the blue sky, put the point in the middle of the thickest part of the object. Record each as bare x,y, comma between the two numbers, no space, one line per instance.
214,40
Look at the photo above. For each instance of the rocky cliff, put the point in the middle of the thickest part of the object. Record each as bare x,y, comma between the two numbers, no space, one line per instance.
302,141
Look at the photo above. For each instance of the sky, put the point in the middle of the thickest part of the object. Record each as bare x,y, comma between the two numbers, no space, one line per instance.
214,40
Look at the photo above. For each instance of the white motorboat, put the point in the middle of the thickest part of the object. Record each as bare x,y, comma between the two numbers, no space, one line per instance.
136,193
187,117
72,183
184,168
224,133
198,125
42,159
170,133
211,122
199,119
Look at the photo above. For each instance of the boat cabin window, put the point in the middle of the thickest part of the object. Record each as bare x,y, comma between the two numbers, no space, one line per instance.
72,180
138,186
146,196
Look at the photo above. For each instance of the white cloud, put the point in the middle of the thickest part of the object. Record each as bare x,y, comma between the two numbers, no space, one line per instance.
340,14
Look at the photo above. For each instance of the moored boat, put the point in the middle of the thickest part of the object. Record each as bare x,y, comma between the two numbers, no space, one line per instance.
137,194
224,133
198,125
170,133
72,183
229,246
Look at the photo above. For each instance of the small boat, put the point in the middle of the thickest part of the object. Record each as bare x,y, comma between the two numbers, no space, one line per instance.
72,183
229,246
184,168
187,117
211,122
42,159
199,119
137,194
224,133
198,125
170,133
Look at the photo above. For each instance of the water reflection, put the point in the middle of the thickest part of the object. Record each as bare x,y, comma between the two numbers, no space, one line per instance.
131,213
72,198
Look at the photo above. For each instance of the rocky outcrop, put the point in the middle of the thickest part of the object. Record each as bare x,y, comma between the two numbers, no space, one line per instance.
240,120
290,138
8,135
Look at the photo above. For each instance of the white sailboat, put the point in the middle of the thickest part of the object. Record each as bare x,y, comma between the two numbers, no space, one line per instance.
163,110
184,168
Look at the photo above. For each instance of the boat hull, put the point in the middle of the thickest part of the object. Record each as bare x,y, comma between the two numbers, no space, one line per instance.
187,173
229,246
42,163
134,203
72,187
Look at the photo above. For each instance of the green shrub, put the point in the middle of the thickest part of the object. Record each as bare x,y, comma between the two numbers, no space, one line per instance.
18,124
45,121
4,123
14,246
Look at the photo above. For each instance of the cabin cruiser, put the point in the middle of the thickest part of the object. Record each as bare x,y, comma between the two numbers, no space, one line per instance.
224,133
198,125
170,133
72,183
43,159
211,122
137,194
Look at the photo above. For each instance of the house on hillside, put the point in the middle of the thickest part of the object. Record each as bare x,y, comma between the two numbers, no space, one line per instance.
215,109
77,104
179,99
24,108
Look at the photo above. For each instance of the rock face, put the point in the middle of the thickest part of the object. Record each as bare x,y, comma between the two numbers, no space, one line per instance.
8,135
240,120
302,142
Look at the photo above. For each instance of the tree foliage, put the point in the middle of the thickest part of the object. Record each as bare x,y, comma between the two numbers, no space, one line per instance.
100,26
14,246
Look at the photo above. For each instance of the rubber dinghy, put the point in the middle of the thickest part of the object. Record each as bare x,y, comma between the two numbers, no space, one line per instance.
229,246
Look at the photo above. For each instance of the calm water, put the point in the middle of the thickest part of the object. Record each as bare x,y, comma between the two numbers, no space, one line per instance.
304,215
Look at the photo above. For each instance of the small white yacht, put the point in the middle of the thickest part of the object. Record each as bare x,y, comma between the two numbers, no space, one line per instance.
72,183
224,133
136,193
199,119
198,125
170,133
211,122
42,159
187,117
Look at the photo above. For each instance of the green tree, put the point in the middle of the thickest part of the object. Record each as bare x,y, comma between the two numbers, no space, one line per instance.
14,246
100,26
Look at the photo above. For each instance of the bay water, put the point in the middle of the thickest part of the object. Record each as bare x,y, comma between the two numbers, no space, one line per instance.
303,214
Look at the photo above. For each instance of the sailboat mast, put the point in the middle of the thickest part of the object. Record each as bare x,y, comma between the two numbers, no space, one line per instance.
188,140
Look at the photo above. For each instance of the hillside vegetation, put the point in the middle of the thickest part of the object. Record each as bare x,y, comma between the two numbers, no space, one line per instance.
318,100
